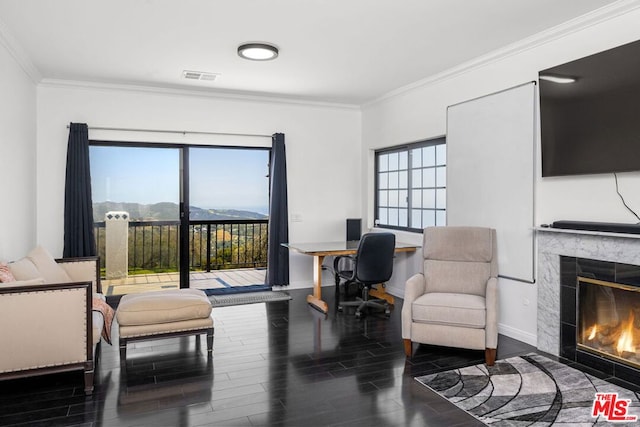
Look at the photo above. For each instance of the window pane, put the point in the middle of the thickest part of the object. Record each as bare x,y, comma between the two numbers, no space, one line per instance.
441,198
416,198
404,159
402,217
416,218
441,154
393,198
393,161
403,180
441,177
393,217
382,216
383,197
416,158
428,156
383,180
441,218
242,172
429,178
428,218
429,199
383,163
416,178
403,201
393,179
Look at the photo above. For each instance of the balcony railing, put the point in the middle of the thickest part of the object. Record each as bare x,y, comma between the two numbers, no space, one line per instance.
213,245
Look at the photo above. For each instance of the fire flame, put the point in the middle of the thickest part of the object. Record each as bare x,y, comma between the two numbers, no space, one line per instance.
625,342
620,338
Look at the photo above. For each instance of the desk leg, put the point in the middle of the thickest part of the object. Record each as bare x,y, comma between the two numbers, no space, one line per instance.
316,299
381,292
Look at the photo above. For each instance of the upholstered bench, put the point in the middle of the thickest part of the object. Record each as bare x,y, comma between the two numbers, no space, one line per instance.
164,314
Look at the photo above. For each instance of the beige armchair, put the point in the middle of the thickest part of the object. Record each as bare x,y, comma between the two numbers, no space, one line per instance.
454,302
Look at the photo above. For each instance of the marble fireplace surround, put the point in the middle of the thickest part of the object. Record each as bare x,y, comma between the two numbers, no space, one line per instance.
553,243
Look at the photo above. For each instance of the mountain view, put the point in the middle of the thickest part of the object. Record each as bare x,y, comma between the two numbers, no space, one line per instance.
167,211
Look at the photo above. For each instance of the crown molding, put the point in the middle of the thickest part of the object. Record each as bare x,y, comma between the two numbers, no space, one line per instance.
217,94
18,53
587,20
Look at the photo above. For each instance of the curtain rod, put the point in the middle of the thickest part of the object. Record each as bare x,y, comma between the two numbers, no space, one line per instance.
183,132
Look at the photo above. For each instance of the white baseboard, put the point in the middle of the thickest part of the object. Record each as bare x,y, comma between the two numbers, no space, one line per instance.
518,334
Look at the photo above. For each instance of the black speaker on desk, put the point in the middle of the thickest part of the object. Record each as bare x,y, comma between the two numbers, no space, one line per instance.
353,228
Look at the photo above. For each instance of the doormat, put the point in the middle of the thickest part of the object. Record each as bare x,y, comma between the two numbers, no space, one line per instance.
248,298
533,390
236,289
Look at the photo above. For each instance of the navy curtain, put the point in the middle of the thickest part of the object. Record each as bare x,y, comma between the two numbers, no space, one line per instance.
278,256
79,240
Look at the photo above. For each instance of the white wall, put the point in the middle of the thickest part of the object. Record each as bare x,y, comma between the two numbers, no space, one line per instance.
420,113
322,143
17,159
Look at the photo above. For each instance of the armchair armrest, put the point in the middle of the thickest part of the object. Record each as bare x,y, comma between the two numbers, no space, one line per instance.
414,287
491,305
336,265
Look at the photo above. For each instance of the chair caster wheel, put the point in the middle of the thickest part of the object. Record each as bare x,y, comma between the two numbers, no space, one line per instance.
358,315
340,308
387,312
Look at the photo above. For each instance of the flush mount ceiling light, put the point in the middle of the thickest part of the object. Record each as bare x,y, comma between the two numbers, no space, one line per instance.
557,79
258,51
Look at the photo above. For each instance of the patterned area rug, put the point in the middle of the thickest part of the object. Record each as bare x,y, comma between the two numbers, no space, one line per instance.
531,390
248,298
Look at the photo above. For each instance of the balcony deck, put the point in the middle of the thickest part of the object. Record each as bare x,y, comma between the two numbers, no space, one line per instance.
198,280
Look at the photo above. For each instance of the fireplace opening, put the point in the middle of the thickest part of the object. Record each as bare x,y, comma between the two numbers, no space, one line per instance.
609,320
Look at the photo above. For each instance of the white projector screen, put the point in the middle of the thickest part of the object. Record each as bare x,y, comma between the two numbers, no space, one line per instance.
490,173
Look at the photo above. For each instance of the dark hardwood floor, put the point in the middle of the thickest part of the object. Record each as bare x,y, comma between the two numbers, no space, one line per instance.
280,364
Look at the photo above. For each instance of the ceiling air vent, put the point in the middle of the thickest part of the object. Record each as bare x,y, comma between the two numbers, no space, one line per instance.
199,75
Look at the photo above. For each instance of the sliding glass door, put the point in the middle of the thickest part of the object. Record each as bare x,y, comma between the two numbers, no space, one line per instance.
228,215
136,195
179,216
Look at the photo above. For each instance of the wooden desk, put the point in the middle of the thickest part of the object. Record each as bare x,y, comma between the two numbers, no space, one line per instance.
320,250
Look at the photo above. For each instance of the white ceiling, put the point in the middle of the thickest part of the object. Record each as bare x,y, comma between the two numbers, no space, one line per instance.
338,51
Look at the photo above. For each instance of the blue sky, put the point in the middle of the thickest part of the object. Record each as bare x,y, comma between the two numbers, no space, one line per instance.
220,178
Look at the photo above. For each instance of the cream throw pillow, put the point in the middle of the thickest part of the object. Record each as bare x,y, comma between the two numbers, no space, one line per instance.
48,268
24,269
39,263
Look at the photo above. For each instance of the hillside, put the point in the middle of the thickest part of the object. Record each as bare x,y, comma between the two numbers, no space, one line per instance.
167,211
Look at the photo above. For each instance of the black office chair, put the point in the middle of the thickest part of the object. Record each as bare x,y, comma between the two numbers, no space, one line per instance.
371,265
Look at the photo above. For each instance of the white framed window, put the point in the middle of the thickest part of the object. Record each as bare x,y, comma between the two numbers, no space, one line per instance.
411,185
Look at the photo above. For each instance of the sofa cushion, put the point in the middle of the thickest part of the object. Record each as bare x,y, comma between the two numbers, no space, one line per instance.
30,282
450,309
48,268
173,305
149,308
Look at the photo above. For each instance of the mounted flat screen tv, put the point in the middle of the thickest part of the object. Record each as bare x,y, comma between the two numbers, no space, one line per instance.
592,125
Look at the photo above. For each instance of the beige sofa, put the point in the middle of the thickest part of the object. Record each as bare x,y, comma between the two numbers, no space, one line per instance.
47,321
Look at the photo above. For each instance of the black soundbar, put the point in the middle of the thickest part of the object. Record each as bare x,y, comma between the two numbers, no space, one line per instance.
610,227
